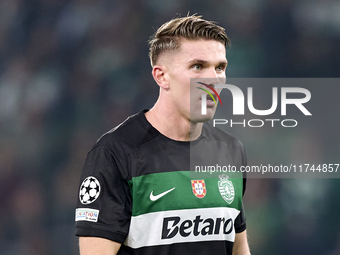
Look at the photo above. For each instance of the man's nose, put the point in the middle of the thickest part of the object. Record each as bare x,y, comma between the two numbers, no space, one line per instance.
213,77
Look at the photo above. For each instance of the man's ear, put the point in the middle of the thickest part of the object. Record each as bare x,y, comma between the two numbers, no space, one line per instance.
158,73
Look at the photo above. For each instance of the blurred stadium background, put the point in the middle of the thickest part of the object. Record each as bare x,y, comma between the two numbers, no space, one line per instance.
72,69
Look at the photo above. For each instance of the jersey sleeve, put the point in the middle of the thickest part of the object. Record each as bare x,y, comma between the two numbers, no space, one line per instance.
240,222
104,201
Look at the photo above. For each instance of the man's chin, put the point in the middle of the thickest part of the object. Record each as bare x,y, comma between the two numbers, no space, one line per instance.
198,117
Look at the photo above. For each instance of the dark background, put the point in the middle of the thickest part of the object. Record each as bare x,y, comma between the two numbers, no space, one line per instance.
71,70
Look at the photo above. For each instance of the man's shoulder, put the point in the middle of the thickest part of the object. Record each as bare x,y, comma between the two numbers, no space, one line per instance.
129,135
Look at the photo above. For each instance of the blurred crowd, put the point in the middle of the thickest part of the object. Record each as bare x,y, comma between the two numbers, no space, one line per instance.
72,69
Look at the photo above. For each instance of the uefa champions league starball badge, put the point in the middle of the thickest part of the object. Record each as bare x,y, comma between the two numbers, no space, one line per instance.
226,188
89,190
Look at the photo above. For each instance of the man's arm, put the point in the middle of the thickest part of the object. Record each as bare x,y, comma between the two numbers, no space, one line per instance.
241,246
97,246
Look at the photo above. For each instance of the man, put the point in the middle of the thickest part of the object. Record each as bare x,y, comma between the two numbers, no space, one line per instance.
137,193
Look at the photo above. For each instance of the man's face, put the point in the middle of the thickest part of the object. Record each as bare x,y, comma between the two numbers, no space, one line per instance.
195,59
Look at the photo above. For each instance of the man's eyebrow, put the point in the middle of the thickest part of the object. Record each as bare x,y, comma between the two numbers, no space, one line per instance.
224,63
204,62
198,61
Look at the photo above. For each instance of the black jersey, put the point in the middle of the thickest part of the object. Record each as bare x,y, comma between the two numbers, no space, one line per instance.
137,189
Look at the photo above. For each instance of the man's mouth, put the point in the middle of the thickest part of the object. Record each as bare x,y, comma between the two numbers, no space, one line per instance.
211,99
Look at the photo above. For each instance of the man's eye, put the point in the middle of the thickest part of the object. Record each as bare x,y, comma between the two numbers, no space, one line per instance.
220,68
197,67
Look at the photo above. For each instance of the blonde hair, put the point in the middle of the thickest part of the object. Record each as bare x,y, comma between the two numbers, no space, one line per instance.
167,37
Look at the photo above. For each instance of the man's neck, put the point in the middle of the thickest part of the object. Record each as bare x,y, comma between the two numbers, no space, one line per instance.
173,126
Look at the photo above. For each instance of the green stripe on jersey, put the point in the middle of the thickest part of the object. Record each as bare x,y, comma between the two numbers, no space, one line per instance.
174,191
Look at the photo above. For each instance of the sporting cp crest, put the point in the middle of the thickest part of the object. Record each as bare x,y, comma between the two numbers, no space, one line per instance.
226,188
198,187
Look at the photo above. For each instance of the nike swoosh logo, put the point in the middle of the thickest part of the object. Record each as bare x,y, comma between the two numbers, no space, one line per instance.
154,198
